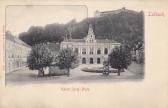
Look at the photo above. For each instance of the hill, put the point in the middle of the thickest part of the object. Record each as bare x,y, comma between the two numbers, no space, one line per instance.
125,27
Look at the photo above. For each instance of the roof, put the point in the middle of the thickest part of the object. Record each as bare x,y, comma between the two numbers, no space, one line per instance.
97,40
74,40
15,39
105,41
9,37
118,11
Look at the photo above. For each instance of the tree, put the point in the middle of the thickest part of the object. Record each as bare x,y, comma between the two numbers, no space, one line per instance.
36,34
39,58
66,59
120,58
54,32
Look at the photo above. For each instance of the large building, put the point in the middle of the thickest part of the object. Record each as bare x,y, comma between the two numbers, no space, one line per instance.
90,50
106,13
16,53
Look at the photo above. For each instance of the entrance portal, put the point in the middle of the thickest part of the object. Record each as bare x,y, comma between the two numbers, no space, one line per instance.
91,60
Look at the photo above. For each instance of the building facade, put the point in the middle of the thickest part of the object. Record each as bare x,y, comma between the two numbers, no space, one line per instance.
90,50
16,53
105,13
98,13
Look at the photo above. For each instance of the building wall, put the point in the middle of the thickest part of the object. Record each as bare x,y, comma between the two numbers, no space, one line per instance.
16,55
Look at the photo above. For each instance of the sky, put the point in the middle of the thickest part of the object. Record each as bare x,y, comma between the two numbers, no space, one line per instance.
20,18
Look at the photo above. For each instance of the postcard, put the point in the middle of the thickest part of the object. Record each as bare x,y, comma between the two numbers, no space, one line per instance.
84,54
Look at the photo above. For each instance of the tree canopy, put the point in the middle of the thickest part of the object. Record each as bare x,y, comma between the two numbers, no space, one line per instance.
39,57
66,59
120,58
49,33
126,26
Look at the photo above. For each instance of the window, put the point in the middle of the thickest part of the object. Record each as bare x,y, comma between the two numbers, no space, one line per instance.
105,51
83,60
98,60
76,50
91,50
83,51
91,60
91,40
98,51
12,55
17,63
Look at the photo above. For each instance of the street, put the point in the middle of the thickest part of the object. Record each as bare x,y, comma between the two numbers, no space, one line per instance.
26,76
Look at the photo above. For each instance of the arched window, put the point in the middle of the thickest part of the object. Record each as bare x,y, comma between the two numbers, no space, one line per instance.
76,50
105,51
91,50
98,51
83,51
83,60
98,61
91,60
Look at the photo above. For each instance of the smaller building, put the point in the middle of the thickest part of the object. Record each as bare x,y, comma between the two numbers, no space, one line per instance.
16,53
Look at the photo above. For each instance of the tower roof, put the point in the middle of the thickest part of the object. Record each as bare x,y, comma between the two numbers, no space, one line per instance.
90,30
90,36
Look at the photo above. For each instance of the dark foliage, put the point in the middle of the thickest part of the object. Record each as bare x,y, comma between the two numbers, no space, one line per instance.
40,57
66,59
125,27
50,33
120,58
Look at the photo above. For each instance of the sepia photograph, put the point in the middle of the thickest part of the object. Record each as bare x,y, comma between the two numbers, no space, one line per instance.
68,43
83,54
